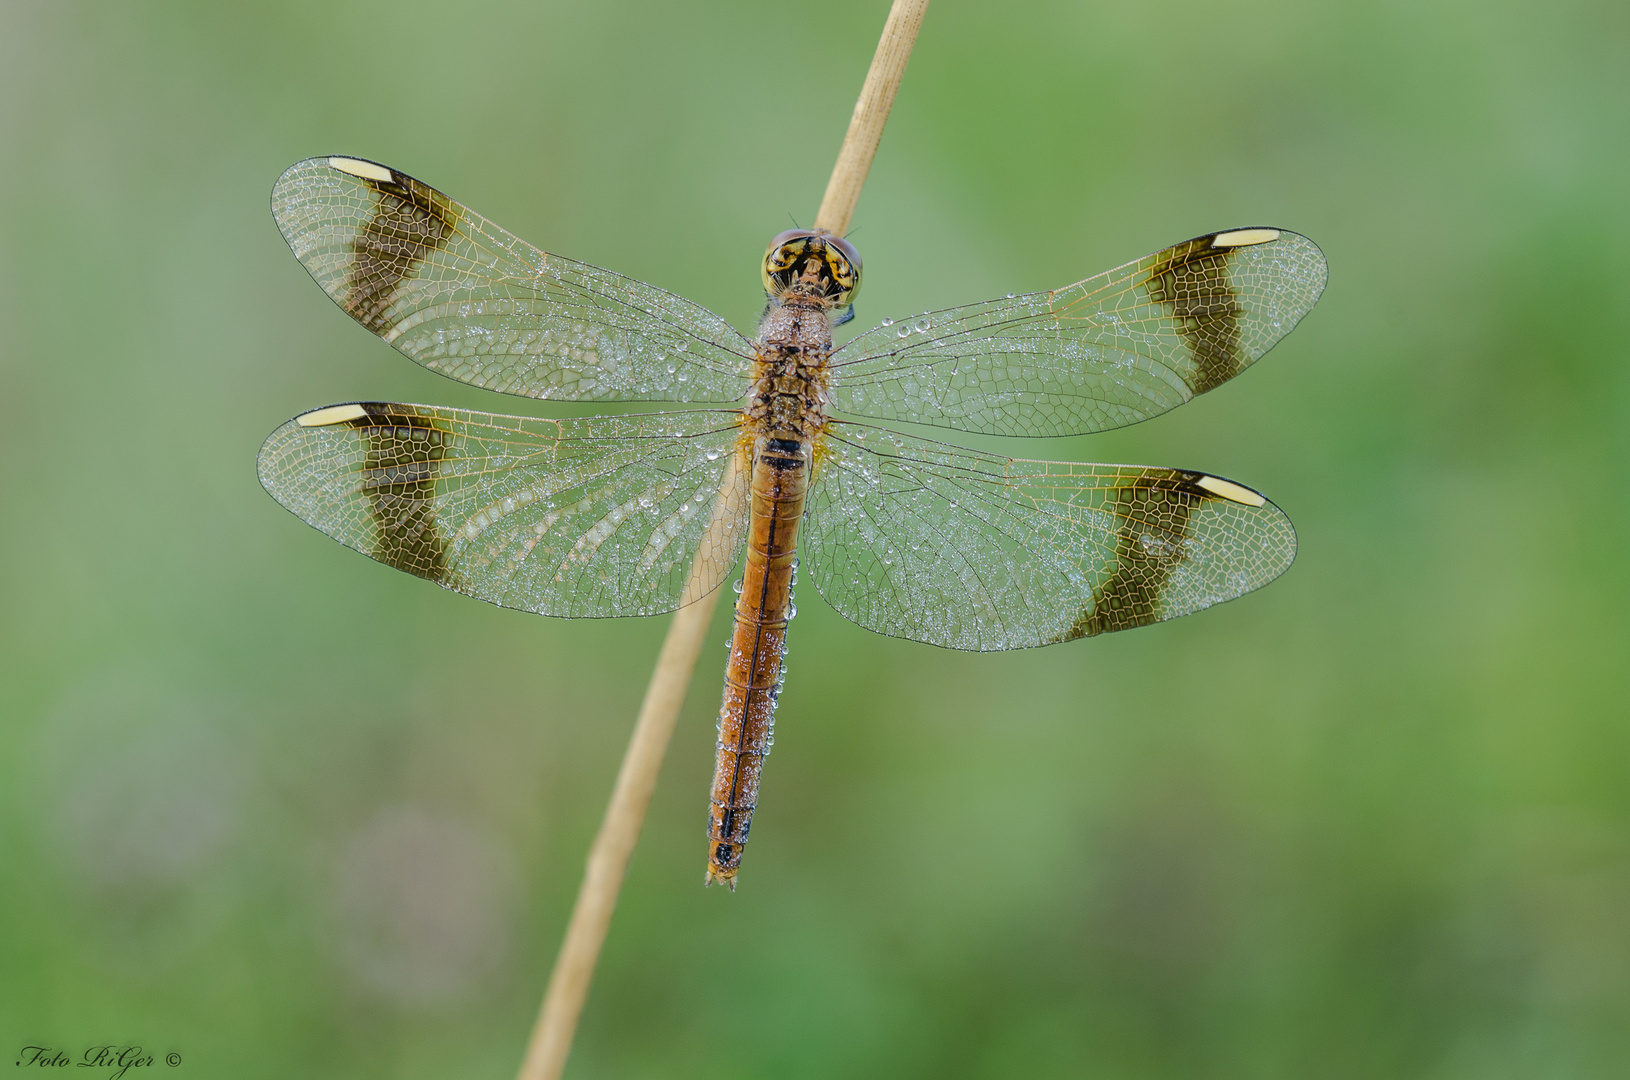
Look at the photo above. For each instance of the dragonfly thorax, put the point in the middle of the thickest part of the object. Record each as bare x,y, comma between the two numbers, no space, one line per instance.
790,369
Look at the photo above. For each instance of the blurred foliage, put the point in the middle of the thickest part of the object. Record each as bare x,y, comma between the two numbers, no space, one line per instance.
289,813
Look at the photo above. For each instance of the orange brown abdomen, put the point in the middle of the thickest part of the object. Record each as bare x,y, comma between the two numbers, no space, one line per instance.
779,482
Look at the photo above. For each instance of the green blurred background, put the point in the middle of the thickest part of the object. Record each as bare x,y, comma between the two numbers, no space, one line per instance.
288,813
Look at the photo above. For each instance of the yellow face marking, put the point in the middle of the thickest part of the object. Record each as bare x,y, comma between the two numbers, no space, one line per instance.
334,414
1244,237
365,169
1227,489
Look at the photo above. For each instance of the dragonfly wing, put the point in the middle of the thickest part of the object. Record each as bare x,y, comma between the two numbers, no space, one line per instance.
1108,351
970,550
468,300
591,517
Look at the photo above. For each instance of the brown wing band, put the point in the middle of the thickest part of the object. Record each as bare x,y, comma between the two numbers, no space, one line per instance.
410,220
1153,514
404,455
1191,280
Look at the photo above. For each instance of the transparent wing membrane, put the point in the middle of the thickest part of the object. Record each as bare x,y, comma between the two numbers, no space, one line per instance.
1108,351
640,514
592,517
468,300
968,550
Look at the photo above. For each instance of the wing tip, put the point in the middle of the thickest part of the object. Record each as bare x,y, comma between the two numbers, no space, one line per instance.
289,182
1315,270
1259,235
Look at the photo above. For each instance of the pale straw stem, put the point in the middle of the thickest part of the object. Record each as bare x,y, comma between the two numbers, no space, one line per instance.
619,831
871,113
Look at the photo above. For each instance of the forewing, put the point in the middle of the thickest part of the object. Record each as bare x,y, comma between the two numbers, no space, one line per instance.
468,300
591,517
969,550
1108,351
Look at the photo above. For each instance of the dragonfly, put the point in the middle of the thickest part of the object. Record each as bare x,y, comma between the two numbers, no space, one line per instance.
788,451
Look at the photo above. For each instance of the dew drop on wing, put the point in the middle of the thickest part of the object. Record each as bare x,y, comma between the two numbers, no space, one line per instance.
888,322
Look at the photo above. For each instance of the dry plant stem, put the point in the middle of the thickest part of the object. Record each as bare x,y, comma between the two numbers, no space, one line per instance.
614,845
871,113
620,829
608,859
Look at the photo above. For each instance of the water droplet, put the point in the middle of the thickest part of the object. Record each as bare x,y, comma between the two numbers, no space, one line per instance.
888,322
682,346
736,587
904,331
712,455
1010,296
922,326
792,611
671,369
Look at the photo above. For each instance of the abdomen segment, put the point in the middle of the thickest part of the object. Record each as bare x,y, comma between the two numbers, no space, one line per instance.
779,481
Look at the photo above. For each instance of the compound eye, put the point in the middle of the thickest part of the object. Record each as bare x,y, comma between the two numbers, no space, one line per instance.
844,263
848,250
790,235
786,250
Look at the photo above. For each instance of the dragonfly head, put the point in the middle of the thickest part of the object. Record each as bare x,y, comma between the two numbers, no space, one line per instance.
814,262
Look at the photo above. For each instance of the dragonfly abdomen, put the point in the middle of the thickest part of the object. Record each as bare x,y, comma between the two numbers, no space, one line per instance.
779,482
